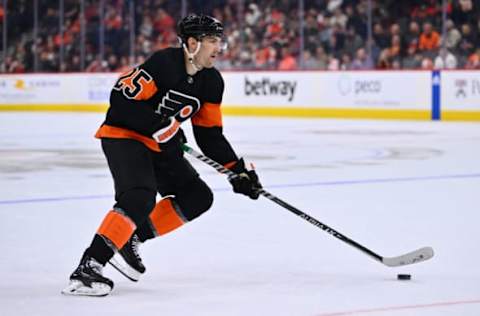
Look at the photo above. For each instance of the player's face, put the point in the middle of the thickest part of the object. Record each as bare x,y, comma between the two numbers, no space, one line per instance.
209,51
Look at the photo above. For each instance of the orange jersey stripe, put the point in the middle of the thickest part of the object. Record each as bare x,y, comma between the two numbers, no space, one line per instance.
164,217
107,131
209,115
117,228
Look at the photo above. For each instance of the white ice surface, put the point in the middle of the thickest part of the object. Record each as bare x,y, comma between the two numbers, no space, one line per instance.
391,186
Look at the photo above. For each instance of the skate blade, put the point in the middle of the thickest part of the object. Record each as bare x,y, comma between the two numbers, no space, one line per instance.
78,288
127,271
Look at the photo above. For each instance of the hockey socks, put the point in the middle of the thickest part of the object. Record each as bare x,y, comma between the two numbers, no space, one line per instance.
165,217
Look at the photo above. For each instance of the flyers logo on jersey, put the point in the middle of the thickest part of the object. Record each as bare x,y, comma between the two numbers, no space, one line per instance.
178,105
136,84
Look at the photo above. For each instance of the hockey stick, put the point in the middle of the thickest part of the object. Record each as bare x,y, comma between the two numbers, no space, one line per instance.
415,256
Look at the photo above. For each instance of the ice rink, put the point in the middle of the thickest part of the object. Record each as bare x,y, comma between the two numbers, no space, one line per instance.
392,186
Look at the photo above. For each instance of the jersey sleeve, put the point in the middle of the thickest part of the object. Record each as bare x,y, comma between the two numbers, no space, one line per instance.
207,124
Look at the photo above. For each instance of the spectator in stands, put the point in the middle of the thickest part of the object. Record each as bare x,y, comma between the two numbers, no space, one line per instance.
394,51
395,31
452,36
245,60
413,35
223,62
333,27
336,41
333,5
276,25
112,63
445,60
384,61
287,61
413,60
333,63
146,27
339,18
50,22
97,65
353,41
478,29
113,26
252,15
429,39
266,56
324,29
381,38
48,61
346,62
468,42
362,61
425,9
123,65
321,57
464,12
427,63
309,60
310,31
396,64
144,45
473,61
74,65
357,18
14,65
163,21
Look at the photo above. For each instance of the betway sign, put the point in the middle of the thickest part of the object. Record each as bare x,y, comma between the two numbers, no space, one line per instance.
323,89
268,87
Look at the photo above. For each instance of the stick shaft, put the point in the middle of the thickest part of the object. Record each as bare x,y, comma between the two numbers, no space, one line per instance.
287,206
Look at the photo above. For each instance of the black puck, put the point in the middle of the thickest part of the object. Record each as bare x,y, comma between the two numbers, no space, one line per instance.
404,276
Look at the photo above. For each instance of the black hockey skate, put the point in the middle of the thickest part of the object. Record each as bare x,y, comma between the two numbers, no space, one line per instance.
88,280
128,261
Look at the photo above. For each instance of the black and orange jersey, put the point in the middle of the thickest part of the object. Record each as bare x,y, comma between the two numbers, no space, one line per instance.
160,85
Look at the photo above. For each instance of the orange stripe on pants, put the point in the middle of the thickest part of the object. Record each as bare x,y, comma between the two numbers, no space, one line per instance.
117,227
164,217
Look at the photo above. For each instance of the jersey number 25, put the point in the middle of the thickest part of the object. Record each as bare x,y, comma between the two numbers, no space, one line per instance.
137,84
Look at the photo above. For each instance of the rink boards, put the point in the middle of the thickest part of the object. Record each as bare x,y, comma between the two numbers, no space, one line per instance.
411,95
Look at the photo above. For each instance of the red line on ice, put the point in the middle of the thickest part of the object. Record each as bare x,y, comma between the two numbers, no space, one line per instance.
397,308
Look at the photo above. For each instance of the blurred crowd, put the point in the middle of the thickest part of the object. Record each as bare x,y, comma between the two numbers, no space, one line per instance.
266,34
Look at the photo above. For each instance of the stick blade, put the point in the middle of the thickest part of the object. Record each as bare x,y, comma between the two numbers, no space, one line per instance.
416,256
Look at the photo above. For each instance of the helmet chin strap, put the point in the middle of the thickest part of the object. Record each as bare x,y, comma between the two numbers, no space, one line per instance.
191,56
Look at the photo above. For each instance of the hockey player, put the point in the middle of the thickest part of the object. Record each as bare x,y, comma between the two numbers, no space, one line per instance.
141,139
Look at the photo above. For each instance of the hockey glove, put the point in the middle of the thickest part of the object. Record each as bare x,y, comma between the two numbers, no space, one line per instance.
246,182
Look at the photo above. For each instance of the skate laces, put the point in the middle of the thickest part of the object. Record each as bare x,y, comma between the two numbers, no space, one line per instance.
95,265
135,246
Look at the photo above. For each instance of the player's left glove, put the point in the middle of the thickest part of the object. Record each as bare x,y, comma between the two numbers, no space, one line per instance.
246,182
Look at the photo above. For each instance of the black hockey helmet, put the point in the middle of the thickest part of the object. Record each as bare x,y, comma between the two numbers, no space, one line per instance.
199,26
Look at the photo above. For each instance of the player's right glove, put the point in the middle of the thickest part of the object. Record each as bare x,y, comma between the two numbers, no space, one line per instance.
246,182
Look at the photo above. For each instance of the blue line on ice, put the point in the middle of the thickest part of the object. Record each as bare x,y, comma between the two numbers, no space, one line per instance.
279,186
